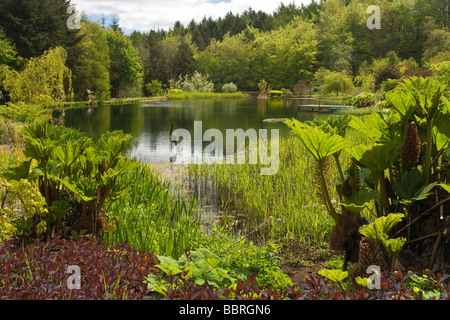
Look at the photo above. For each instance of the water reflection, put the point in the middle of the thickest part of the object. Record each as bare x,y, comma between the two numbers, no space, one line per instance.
150,123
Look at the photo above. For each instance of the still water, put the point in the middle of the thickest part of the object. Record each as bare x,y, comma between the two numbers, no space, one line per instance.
150,123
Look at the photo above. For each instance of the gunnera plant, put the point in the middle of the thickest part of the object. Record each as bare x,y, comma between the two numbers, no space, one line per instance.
411,146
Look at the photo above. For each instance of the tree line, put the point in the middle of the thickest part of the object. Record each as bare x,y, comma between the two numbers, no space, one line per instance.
294,46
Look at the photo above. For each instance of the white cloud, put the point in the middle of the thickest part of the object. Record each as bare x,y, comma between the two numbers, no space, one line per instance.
144,15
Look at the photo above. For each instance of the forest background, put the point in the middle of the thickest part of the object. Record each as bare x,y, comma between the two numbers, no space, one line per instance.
295,47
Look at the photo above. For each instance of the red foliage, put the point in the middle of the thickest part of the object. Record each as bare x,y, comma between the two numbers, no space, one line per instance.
39,272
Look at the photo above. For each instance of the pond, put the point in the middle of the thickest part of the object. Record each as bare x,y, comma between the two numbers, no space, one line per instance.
150,123
150,126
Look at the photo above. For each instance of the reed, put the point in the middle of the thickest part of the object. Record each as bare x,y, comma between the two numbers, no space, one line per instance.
153,216
287,201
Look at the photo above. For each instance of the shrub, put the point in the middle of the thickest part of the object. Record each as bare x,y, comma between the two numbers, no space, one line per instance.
336,82
388,72
20,202
188,87
45,78
40,271
275,93
229,88
175,91
74,174
245,258
442,71
363,101
26,113
389,84
201,83
9,131
154,88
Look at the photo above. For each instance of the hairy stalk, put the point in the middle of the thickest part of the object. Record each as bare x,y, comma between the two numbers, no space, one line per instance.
382,195
326,195
427,161
339,167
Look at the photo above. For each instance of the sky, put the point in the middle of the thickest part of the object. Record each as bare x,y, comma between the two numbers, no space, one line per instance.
145,15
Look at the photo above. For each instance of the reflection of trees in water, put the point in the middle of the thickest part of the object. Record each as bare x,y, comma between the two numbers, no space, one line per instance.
150,123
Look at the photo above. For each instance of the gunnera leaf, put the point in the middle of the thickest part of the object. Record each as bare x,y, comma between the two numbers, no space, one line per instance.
379,229
319,143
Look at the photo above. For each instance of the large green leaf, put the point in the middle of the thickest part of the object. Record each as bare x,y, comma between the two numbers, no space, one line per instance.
318,142
362,199
394,246
407,189
445,186
85,188
408,185
441,130
339,124
373,126
427,92
334,275
19,172
403,102
379,229
70,152
60,208
378,157
169,265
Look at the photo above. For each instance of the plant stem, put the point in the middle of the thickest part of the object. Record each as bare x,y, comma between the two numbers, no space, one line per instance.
427,161
394,263
338,164
382,195
326,196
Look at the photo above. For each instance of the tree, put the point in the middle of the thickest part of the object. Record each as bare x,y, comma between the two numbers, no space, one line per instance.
44,79
286,55
114,25
228,61
126,72
154,88
184,59
335,35
337,82
8,53
91,68
437,41
37,25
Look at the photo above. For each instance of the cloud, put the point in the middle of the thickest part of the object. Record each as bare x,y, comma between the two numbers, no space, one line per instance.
145,15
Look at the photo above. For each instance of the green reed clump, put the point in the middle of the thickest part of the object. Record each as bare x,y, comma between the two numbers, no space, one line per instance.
286,201
152,216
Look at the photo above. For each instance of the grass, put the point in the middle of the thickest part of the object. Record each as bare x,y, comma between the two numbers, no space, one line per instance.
286,203
361,111
203,95
153,217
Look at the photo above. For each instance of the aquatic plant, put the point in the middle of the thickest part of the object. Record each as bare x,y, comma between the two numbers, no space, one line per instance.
74,175
151,215
394,172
